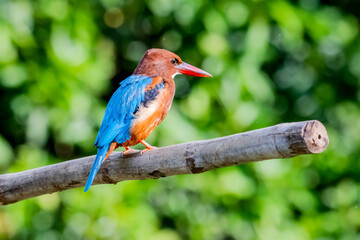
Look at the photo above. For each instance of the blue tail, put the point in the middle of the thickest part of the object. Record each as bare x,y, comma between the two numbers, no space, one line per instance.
101,153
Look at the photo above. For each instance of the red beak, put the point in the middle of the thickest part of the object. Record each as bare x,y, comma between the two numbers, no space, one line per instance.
190,70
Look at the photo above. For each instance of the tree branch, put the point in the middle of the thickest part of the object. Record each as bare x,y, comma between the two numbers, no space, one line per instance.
280,141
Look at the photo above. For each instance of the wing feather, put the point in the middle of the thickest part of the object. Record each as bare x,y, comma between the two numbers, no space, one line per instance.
119,111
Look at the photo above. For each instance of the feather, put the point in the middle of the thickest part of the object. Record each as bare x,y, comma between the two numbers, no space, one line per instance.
119,111
101,153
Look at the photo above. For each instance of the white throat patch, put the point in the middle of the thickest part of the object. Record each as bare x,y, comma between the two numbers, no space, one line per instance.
175,75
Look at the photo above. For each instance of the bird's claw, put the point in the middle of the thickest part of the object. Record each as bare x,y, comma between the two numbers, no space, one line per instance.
147,149
148,146
128,150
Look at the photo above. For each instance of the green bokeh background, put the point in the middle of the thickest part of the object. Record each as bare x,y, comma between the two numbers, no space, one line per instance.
273,61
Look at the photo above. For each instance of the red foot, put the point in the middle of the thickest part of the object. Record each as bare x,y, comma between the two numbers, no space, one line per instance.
148,146
127,150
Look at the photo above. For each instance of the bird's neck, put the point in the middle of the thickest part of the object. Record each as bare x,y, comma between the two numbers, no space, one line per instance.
151,71
170,84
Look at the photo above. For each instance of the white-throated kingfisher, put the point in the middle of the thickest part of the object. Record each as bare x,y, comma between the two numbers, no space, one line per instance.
140,104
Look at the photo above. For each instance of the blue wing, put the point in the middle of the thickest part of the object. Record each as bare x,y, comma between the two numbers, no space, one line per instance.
119,111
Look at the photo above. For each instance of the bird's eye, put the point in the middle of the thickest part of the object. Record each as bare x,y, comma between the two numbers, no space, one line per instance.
174,61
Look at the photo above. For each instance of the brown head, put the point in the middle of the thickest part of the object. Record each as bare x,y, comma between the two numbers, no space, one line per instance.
161,62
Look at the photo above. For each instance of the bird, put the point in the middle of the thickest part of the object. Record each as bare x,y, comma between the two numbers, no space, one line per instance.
139,105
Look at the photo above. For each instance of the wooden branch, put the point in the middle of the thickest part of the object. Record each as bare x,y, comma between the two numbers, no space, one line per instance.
280,141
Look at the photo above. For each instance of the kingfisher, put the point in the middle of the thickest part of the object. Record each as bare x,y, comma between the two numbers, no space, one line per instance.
139,105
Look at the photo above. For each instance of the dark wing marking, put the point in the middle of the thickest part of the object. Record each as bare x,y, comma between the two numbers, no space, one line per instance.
151,94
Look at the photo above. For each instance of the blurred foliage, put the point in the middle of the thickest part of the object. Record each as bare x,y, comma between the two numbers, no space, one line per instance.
272,61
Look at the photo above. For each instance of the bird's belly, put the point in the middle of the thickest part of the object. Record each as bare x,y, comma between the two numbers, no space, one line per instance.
147,118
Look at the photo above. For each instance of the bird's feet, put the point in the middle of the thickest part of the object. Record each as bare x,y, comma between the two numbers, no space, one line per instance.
127,150
148,146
